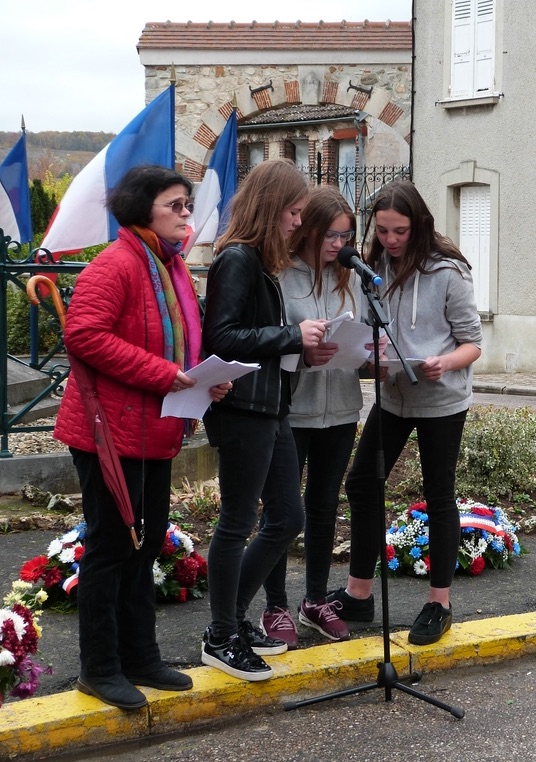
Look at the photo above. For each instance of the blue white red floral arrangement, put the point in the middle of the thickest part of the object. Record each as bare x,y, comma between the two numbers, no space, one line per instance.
180,572
488,540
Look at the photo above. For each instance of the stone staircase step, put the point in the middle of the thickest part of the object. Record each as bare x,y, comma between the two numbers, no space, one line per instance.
24,383
46,408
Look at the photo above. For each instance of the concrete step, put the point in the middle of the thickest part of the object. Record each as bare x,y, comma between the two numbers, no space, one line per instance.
46,408
24,383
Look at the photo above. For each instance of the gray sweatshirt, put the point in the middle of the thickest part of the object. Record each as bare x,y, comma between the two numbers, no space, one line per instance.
432,314
326,397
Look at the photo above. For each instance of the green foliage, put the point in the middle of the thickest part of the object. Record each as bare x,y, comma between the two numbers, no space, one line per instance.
42,205
497,457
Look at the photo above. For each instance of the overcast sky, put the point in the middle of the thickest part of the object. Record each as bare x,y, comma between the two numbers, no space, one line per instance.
73,64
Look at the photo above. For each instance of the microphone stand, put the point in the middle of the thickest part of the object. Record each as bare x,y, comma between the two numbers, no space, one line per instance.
387,677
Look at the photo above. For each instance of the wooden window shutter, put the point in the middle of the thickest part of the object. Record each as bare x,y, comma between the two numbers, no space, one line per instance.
475,238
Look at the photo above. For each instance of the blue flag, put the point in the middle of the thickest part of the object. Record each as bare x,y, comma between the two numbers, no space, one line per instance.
82,219
15,214
217,188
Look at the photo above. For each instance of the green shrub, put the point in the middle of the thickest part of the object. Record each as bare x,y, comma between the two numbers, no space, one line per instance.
497,457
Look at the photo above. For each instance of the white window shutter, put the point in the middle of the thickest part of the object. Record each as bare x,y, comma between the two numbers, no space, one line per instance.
475,236
463,51
484,47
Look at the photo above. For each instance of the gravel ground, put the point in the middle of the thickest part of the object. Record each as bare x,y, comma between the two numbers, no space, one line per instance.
35,442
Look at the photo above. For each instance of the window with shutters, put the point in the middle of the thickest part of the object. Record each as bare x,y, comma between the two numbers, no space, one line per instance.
472,60
475,237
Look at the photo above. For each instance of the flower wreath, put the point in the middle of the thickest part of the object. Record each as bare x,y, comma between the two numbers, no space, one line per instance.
19,635
179,571
488,539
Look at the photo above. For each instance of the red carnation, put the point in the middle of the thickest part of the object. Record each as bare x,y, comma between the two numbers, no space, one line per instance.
202,569
481,511
390,552
477,566
508,542
34,569
186,571
78,552
169,547
182,595
426,560
53,577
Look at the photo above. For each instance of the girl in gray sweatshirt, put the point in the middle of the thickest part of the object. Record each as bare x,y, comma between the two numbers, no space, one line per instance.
428,295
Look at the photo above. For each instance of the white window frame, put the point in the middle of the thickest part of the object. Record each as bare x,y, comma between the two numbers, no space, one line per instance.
472,67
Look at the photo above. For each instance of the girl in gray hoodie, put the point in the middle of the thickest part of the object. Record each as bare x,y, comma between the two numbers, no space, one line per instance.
428,295
324,410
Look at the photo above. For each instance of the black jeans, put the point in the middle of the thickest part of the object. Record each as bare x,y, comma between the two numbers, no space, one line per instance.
439,445
116,595
257,460
327,452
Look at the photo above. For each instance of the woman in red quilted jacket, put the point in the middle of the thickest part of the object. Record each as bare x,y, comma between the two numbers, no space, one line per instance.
134,320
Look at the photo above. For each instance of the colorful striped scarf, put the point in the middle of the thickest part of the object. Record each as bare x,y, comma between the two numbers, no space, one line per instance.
176,298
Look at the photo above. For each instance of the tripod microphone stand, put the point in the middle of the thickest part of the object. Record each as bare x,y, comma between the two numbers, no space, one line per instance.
387,677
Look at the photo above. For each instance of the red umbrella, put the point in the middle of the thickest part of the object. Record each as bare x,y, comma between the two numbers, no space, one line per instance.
85,376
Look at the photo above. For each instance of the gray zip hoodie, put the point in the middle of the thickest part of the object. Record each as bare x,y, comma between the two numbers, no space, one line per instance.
330,397
432,314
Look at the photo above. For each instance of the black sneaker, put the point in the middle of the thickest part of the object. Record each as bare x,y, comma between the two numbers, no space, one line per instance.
430,625
260,643
352,609
235,658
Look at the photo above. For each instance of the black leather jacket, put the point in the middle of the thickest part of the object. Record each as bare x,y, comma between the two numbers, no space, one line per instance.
245,320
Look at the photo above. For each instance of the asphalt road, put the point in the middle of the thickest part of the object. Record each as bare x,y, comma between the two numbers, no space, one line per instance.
499,703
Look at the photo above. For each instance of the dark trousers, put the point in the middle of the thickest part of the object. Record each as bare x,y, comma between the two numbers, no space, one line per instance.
257,459
327,452
439,444
116,595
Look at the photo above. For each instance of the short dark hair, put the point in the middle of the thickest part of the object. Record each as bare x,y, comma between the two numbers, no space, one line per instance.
132,199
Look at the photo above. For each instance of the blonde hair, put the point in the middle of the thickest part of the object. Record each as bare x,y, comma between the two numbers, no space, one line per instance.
269,189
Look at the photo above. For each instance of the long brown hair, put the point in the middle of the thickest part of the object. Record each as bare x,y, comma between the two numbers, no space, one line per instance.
269,189
424,243
324,204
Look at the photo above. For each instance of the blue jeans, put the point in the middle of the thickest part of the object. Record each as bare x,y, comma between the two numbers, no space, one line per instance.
116,595
439,445
257,460
327,452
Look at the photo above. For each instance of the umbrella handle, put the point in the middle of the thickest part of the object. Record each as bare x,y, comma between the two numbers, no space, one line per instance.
137,543
31,290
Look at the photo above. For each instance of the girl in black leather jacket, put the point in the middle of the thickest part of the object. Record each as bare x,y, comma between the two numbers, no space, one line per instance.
245,321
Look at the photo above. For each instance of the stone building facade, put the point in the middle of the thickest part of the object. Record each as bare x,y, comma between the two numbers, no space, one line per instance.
291,69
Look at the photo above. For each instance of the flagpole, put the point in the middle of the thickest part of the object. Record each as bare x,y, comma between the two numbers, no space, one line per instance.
172,84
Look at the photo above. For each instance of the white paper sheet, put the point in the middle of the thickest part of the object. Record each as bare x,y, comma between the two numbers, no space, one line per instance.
396,365
290,362
193,402
351,336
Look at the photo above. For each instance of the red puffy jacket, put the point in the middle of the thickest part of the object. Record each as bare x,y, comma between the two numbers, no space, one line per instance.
114,325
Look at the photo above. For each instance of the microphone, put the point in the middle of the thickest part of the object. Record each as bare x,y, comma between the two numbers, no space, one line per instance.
349,257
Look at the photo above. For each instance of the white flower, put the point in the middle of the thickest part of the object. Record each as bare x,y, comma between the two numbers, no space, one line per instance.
20,585
18,622
158,574
186,542
67,556
6,658
54,548
419,567
69,537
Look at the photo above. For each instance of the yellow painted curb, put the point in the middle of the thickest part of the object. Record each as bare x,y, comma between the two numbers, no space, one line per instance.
72,720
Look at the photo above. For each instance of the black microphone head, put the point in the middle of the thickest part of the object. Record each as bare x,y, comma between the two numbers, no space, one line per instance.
345,256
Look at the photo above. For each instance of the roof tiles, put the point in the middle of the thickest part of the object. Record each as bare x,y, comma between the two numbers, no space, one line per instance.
341,35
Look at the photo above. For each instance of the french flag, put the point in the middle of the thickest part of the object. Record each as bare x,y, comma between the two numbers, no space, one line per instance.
217,188
81,219
15,214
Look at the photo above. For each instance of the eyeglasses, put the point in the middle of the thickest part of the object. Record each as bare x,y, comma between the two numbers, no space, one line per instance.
177,206
332,235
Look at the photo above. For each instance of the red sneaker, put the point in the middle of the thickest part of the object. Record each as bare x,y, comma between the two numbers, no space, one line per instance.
278,623
323,616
